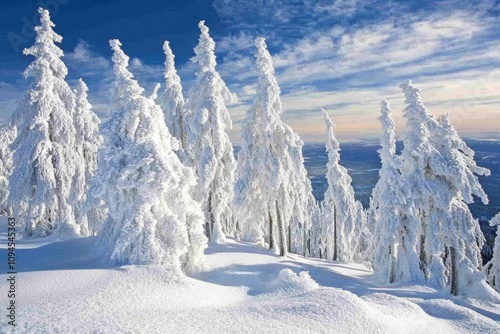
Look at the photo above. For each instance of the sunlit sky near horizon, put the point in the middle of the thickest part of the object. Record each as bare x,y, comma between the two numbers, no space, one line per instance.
343,55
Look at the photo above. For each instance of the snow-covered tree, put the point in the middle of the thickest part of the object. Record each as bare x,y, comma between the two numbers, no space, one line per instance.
44,159
492,268
207,142
152,217
423,191
440,175
87,143
462,235
302,198
317,231
274,199
344,232
7,135
388,203
172,100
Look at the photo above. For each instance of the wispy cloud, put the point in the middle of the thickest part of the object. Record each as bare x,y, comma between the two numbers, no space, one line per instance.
349,68
344,55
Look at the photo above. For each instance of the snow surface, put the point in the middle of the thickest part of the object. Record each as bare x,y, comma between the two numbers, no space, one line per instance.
63,287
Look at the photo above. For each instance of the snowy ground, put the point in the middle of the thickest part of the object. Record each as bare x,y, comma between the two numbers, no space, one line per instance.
63,288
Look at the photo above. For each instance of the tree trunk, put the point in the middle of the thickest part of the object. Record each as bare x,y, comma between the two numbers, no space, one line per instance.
454,272
304,242
309,242
422,255
289,238
281,232
326,249
335,252
210,218
271,237
392,273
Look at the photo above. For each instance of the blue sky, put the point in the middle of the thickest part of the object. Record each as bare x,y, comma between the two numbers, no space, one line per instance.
344,55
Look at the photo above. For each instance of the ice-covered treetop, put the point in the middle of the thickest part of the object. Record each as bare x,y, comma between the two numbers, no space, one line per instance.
268,91
463,166
205,50
264,60
123,76
81,88
169,60
332,145
454,138
388,139
416,107
46,49
495,221
414,101
172,80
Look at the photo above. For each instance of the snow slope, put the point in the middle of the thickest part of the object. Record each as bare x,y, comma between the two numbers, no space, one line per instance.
64,288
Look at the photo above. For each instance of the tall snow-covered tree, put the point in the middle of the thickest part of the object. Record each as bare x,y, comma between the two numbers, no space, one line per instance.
152,217
392,251
207,142
274,199
172,100
343,232
7,135
441,176
44,160
300,192
87,143
492,268
466,239
318,226
417,160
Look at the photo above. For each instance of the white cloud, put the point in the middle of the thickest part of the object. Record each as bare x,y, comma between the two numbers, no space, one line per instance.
85,62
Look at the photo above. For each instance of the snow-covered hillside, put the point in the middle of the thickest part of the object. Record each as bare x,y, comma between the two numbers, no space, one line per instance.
63,287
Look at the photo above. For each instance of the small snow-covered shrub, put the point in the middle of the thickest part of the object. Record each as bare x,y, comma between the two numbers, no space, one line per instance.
290,283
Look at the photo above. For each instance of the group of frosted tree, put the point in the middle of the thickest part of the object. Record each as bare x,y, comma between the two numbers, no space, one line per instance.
159,179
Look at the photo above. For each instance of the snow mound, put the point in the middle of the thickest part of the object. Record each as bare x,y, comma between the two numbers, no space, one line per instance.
64,288
289,283
480,290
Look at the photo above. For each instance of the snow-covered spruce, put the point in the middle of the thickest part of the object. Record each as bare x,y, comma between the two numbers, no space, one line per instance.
87,143
345,234
172,100
389,210
318,226
441,176
492,268
301,194
7,135
207,142
273,193
44,160
152,218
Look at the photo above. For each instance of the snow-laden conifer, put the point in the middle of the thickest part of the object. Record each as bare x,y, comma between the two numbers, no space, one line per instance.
492,268
391,239
273,194
44,160
302,197
87,142
7,135
343,230
207,142
462,235
172,100
423,191
152,218
316,242
440,176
